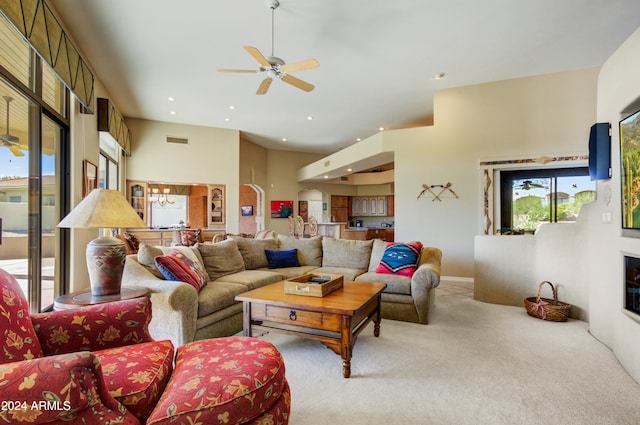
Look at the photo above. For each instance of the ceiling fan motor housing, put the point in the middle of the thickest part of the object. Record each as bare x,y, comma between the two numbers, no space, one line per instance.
273,4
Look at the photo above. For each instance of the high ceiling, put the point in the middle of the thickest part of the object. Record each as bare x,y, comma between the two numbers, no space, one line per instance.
377,58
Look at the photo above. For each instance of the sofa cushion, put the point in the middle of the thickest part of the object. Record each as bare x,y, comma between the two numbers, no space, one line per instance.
176,266
289,272
221,259
217,296
136,375
252,279
396,284
346,253
148,253
377,250
309,249
282,258
346,273
252,251
400,258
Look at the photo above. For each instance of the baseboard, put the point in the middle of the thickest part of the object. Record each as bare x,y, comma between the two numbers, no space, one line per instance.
457,279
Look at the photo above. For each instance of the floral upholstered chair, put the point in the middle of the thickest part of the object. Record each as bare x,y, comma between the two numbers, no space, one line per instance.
95,364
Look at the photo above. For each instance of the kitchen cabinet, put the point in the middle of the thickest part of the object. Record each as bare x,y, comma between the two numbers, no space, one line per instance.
367,206
375,234
340,208
391,206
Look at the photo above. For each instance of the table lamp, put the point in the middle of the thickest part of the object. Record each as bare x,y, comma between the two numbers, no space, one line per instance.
106,255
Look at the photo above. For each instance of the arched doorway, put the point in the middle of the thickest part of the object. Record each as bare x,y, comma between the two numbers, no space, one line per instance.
251,211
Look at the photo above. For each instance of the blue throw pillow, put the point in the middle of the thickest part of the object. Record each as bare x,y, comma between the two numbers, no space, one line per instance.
282,258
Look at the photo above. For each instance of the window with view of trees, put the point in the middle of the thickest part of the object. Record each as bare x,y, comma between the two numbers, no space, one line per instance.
530,198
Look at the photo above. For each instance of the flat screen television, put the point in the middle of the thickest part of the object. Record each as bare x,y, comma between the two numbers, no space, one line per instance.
630,170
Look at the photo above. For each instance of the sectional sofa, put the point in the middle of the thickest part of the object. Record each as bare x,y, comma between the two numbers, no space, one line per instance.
183,312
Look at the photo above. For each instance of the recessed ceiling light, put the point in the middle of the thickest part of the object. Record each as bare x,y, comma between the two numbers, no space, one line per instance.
227,119
349,169
172,112
358,139
326,177
439,76
171,98
309,118
232,107
381,129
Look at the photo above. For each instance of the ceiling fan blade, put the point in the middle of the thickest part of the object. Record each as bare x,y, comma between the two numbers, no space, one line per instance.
296,82
264,85
300,66
16,151
248,71
258,56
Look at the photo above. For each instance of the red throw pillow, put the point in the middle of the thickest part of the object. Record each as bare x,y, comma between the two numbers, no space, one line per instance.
400,258
176,266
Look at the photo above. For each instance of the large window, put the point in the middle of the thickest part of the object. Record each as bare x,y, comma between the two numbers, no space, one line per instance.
530,198
33,170
108,167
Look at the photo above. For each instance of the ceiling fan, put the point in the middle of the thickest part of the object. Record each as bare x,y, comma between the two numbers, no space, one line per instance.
274,67
529,184
7,139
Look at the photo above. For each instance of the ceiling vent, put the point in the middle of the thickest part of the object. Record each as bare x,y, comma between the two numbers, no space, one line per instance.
344,178
179,140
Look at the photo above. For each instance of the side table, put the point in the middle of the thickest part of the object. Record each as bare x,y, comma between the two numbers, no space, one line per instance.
82,298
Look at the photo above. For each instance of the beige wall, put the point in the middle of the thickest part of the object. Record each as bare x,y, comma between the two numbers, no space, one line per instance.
542,115
618,87
282,168
210,157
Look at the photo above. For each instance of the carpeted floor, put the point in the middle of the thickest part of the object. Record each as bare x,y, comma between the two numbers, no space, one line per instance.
475,363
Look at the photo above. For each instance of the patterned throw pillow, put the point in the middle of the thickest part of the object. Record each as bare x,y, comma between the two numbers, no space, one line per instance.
133,241
177,267
190,237
400,258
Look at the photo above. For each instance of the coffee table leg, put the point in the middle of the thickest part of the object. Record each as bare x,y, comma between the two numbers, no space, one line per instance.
246,318
345,342
377,319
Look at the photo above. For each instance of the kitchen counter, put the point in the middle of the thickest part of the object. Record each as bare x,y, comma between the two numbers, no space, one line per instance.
366,233
332,229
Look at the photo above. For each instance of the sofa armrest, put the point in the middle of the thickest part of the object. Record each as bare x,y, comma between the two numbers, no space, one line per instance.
174,304
95,327
425,278
67,387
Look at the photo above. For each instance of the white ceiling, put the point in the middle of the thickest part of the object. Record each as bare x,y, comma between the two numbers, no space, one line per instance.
377,58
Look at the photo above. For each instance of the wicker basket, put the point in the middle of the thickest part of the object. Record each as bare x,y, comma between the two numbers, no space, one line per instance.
547,309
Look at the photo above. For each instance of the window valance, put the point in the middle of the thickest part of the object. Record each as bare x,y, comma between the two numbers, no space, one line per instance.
38,25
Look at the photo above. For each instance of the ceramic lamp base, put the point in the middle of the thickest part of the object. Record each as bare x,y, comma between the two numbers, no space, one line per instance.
105,261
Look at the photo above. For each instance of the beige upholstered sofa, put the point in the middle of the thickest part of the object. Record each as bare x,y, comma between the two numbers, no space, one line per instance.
236,265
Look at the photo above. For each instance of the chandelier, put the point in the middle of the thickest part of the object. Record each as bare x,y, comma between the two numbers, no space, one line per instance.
161,199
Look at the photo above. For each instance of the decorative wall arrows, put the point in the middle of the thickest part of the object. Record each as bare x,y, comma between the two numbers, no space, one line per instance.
443,188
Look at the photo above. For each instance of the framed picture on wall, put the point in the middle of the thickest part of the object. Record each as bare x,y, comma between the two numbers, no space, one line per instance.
246,210
90,177
281,209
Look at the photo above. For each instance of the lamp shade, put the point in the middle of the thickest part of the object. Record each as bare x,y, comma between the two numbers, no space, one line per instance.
103,208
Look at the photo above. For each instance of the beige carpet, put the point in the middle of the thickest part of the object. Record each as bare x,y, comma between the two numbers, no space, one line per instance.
475,363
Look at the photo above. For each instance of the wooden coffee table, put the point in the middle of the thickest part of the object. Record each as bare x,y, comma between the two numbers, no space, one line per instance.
335,320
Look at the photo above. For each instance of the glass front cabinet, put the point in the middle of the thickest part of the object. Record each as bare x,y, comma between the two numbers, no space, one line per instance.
217,201
137,196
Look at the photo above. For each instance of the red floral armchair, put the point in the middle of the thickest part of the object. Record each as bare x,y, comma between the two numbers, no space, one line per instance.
96,364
